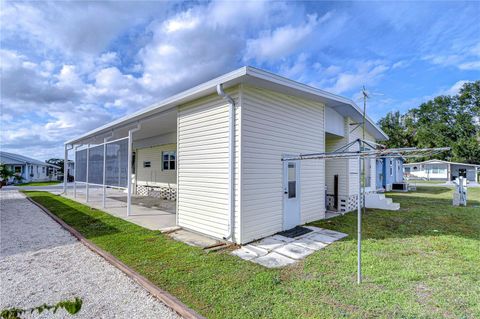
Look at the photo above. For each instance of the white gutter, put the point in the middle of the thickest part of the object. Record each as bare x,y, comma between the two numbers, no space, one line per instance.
231,158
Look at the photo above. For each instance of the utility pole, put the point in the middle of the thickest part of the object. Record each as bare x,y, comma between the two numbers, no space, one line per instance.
365,97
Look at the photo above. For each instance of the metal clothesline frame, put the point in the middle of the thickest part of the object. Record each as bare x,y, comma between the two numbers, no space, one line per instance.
379,151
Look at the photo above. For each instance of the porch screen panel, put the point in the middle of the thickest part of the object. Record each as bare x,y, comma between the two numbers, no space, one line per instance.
95,165
117,163
81,166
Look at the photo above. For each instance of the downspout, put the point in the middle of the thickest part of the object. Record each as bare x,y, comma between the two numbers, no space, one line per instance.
231,157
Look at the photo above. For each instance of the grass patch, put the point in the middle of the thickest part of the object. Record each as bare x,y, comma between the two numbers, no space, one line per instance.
419,262
49,183
421,181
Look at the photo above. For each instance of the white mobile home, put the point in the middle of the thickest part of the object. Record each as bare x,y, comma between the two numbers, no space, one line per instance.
217,150
28,169
442,170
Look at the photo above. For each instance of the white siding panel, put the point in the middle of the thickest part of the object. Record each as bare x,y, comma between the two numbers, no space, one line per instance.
154,175
275,124
203,165
353,163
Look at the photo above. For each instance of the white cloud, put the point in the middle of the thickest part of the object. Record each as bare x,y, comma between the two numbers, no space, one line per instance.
280,42
366,73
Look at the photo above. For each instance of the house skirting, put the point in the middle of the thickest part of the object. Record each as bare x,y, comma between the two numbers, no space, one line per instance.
164,192
345,203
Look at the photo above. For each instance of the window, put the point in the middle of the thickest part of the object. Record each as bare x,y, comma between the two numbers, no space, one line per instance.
169,160
391,167
43,169
147,164
17,169
292,180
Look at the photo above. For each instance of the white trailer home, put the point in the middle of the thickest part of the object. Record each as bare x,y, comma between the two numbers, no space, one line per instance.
217,150
442,170
28,169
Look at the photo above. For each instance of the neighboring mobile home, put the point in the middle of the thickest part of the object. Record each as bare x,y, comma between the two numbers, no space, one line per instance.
217,150
442,170
389,172
30,170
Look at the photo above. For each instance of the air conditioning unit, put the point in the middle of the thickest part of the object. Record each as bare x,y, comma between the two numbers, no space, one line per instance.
388,187
400,187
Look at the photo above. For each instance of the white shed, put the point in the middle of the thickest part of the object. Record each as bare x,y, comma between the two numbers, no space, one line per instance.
217,150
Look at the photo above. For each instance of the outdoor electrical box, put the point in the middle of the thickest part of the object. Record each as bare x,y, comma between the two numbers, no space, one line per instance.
460,192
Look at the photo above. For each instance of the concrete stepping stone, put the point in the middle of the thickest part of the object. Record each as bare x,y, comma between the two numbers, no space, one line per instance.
268,243
332,233
309,243
283,238
273,260
318,237
249,252
294,251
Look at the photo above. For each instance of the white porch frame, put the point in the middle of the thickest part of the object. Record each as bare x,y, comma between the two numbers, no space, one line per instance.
104,184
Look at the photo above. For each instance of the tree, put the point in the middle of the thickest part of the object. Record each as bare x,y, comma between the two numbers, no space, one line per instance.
444,121
56,161
5,174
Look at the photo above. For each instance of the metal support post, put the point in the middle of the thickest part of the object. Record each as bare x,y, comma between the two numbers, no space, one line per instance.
65,170
359,223
129,168
86,177
75,174
104,171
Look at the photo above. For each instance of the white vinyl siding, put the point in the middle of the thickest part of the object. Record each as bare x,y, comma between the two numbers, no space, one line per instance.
337,166
154,175
353,163
203,163
274,124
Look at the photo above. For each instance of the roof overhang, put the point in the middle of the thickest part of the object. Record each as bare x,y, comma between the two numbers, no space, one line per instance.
245,75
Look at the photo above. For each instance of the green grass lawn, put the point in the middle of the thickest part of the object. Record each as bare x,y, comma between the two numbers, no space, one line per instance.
420,262
39,183
419,181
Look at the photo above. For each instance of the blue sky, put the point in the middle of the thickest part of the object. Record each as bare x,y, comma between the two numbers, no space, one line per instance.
68,67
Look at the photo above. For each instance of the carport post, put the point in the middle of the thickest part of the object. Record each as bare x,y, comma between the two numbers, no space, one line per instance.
104,172
105,139
129,169
359,223
65,170
75,174
86,177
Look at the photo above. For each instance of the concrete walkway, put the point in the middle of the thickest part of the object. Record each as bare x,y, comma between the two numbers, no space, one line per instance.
278,251
162,217
40,263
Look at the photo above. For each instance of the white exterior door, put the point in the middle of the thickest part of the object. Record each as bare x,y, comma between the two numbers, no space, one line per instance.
291,194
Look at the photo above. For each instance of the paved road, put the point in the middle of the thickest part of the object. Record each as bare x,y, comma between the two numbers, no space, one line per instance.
40,263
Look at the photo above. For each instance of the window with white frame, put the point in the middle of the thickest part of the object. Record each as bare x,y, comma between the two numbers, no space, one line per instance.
43,169
169,160
391,167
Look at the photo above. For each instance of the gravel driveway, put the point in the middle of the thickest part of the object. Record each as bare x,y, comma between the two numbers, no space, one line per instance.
40,263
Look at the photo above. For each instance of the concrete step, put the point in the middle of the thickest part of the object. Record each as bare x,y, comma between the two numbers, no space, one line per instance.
379,201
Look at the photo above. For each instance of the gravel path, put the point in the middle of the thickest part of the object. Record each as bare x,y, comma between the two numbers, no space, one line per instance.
40,263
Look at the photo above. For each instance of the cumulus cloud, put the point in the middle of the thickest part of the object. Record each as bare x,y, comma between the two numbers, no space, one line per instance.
68,67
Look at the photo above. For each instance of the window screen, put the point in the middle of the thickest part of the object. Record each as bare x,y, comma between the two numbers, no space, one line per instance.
95,165
117,163
81,166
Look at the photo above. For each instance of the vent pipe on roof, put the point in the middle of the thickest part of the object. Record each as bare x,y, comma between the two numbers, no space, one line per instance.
231,157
